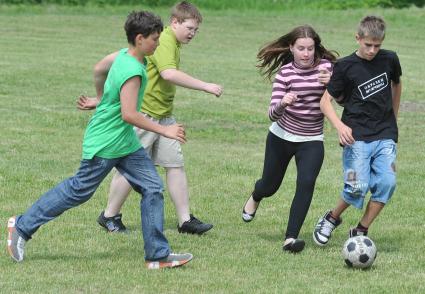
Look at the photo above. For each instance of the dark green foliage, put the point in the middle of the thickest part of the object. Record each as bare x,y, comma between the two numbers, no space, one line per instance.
241,4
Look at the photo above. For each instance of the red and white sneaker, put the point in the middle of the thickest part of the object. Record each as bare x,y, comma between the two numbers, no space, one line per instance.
172,260
15,243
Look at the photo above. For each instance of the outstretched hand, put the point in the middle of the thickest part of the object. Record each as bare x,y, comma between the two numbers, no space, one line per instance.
176,132
87,103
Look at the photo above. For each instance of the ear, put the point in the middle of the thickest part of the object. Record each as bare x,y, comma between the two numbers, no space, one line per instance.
174,22
357,38
138,40
291,48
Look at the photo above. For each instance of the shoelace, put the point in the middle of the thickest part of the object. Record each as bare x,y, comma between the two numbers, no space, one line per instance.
21,246
326,227
194,220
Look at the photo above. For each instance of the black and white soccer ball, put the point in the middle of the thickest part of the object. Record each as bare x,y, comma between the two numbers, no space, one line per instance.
359,252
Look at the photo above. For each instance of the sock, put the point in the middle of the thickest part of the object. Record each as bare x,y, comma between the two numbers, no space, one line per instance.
361,228
332,215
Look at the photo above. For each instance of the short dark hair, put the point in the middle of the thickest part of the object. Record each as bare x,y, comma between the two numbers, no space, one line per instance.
142,22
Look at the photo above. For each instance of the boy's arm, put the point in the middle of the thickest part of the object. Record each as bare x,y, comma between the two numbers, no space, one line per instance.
130,114
182,79
396,93
344,132
100,74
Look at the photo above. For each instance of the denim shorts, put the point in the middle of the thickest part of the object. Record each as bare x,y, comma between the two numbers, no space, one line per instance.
369,166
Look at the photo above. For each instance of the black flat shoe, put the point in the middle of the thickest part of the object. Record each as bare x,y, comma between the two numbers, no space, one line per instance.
297,245
247,217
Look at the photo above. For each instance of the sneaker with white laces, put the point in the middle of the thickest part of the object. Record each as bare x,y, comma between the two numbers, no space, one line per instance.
171,261
356,232
15,243
324,227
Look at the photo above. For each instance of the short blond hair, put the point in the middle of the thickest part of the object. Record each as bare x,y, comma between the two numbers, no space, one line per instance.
185,10
372,26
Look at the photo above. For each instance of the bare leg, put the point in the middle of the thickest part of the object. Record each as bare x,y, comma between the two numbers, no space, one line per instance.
372,210
179,192
341,206
118,193
251,205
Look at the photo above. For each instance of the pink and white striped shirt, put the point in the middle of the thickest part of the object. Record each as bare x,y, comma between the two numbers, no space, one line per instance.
303,118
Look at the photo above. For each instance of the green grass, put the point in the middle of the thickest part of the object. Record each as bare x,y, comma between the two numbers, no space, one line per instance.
47,59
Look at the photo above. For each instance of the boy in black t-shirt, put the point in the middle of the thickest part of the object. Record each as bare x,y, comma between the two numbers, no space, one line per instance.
367,84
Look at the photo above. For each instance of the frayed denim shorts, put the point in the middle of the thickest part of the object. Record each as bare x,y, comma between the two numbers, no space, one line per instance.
369,166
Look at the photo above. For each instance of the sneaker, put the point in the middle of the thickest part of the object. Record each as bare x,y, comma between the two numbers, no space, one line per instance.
172,260
324,227
112,224
295,246
356,232
194,226
15,243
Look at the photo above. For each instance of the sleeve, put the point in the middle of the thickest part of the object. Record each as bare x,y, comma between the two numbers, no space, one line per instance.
396,69
280,88
130,70
165,57
336,84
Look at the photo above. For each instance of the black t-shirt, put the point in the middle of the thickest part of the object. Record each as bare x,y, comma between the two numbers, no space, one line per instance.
363,88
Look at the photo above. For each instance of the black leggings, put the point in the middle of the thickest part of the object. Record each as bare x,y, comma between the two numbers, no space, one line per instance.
308,158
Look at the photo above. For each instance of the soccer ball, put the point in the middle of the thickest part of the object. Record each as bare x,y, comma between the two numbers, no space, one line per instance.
359,252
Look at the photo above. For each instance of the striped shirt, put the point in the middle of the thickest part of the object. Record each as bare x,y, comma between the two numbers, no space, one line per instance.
303,117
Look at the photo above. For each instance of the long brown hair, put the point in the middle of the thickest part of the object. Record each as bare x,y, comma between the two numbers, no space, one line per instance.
276,53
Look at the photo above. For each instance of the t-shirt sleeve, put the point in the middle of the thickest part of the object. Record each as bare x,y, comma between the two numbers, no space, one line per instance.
129,71
164,57
396,70
336,84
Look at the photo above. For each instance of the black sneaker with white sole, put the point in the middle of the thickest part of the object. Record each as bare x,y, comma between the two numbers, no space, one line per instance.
112,224
194,226
356,232
324,228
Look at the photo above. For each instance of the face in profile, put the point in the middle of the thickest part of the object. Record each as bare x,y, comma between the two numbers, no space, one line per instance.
303,51
186,30
150,43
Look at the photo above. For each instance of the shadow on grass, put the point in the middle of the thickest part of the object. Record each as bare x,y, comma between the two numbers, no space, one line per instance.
69,257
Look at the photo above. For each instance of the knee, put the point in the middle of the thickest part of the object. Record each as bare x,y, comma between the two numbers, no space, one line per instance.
306,181
388,183
79,191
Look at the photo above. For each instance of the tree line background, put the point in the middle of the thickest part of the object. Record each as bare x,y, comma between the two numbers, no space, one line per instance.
239,4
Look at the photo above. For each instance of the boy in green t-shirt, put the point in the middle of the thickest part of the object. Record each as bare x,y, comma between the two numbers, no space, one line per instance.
164,75
109,142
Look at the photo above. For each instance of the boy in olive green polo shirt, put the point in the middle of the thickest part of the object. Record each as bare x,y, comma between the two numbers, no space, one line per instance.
164,75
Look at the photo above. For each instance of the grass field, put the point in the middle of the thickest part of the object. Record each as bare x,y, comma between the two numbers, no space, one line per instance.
47,55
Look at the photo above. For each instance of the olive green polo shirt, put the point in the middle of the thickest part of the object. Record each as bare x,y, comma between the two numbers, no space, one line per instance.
159,94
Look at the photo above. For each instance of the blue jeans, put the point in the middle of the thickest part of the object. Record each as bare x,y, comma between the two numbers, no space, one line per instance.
369,166
139,171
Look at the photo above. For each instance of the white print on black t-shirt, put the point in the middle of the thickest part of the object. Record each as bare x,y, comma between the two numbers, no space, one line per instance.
374,85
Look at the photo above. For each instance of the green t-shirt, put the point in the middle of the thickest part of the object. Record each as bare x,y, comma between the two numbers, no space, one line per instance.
107,135
159,95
